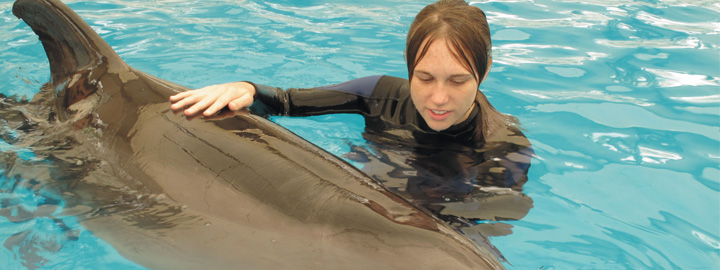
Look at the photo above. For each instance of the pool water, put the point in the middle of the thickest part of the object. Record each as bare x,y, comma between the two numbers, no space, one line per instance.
620,99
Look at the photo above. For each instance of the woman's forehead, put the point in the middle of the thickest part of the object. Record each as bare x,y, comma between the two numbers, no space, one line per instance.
450,54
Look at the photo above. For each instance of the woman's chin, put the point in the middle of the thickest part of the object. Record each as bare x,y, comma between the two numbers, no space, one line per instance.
434,125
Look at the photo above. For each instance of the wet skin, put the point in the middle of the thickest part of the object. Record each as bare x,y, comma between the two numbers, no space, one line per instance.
442,89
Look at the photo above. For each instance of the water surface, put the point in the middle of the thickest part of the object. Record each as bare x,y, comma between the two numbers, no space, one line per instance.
621,100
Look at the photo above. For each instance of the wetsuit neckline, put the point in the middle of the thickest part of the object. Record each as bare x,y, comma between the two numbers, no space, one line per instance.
461,132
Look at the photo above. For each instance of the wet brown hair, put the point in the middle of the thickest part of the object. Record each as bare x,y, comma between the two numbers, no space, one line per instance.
466,31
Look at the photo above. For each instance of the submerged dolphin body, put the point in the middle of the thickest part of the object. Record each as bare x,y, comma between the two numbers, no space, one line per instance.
240,193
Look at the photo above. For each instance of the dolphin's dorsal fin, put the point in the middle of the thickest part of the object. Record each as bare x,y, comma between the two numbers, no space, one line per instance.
71,45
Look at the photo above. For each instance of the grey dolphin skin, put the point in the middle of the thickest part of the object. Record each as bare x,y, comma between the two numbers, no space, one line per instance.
169,192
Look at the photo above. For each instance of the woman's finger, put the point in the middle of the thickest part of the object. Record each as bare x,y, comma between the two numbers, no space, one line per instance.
182,95
187,100
201,105
219,103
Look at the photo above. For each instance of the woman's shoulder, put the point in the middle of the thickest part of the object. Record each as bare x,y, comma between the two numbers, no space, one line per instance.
390,87
390,81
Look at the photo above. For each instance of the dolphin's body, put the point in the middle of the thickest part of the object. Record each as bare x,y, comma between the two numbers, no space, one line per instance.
238,193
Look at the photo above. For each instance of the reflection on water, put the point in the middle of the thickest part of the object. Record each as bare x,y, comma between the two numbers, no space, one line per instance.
40,233
619,99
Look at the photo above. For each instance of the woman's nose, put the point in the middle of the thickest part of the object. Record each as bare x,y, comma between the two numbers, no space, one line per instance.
439,95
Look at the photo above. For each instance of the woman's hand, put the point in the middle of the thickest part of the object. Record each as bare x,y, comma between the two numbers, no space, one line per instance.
211,99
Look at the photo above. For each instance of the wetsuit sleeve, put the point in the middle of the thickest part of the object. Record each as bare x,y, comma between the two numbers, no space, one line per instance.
348,97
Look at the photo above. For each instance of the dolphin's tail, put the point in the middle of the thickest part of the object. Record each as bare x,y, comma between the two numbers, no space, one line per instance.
71,45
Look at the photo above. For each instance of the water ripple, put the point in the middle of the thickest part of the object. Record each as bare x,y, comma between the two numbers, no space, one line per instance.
711,28
714,99
555,96
687,43
671,78
615,115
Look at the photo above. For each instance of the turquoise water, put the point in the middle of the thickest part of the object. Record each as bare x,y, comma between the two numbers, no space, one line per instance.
621,100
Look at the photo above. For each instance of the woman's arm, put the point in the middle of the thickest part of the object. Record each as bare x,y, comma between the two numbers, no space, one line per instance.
348,97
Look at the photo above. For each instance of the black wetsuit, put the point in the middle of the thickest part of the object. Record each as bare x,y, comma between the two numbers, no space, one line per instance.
384,101
450,173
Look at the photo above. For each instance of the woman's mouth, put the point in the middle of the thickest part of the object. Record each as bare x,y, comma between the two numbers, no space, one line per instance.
438,115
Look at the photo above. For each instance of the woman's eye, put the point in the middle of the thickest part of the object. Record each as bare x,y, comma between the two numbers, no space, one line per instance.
425,79
460,82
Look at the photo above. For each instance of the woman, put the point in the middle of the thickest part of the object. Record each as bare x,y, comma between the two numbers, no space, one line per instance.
452,143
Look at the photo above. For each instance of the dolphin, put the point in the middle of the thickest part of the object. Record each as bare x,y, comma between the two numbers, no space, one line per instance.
168,192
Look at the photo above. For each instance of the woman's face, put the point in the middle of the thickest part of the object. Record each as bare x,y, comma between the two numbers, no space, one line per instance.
441,88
